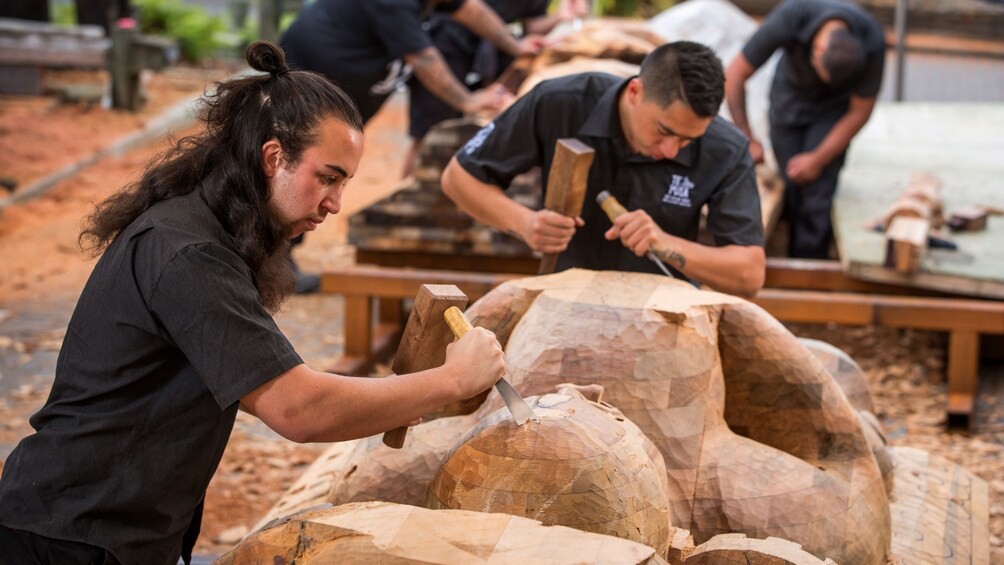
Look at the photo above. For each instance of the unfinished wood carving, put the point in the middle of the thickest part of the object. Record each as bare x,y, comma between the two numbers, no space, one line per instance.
581,465
381,532
920,199
756,434
750,424
727,549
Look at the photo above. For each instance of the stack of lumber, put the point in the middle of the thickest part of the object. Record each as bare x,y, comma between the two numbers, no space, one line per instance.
420,218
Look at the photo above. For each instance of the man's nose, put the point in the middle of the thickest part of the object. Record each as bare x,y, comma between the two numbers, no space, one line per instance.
669,147
332,204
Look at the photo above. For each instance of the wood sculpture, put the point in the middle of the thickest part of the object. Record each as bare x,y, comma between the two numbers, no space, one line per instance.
756,434
381,532
582,464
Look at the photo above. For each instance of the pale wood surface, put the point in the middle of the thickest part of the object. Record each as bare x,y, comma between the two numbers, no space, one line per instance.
381,532
757,435
581,464
726,549
940,512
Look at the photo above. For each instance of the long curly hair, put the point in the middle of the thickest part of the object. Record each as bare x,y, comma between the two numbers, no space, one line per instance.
224,162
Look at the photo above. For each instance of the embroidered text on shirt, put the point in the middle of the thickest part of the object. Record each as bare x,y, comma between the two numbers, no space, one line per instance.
679,192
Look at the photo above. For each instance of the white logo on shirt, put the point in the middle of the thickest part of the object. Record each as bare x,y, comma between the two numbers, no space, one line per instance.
679,192
398,73
479,138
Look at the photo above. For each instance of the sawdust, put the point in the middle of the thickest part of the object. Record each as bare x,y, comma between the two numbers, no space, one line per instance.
905,369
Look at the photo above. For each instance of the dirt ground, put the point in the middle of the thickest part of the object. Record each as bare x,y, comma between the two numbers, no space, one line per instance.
44,271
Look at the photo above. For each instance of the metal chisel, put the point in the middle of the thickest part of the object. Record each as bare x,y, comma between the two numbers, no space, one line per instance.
518,407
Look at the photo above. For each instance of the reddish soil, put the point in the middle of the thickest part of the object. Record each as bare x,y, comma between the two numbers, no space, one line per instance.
42,262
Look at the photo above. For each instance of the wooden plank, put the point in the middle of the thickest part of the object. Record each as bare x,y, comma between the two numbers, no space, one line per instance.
404,283
936,314
475,262
816,274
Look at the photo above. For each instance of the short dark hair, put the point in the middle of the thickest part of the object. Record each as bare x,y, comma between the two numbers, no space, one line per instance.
684,71
844,57
224,163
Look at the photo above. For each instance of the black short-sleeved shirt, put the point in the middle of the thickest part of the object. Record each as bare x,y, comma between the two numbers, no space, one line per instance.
359,44
715,169
798,96
453,38
166,338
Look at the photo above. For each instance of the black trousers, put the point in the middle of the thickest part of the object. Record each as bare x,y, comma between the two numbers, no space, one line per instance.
18,547
807,207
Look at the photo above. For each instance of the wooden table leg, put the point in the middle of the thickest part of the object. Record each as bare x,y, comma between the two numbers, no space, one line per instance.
963,374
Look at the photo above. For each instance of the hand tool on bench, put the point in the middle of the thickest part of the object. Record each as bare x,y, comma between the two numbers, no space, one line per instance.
424,341
518,407
566,185
614,209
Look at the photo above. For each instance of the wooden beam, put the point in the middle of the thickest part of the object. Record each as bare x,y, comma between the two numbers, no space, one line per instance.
936,314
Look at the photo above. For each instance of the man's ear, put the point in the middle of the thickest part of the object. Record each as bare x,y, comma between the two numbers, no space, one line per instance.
271,157
635,89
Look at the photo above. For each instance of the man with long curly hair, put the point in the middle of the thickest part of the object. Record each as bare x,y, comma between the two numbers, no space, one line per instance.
173,332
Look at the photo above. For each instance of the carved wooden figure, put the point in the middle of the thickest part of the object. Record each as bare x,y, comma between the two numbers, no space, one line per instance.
757,436
581,464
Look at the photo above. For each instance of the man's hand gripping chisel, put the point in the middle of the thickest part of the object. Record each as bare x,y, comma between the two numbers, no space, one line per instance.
518,407
613,208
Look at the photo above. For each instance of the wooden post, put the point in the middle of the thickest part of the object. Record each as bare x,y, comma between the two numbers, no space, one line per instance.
963,377
426,335
566,185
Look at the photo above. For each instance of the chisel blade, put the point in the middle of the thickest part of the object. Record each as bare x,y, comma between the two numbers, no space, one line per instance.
520,410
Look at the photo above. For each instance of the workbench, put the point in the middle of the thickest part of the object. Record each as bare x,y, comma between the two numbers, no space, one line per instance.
963,146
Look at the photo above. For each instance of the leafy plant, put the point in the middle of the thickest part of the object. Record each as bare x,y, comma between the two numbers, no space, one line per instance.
634,8
199,34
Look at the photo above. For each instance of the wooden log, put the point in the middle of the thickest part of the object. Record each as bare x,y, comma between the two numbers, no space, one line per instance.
426,335
581,464
566,185
906,244
920,199
381,532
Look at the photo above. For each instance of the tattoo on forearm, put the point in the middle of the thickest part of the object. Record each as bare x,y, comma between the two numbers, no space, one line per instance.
431,69
671,257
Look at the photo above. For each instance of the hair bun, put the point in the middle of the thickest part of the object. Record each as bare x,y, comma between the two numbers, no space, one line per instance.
267,57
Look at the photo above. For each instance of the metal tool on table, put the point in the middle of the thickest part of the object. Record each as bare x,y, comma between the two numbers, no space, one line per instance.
424,340
613,208
566,185
518,407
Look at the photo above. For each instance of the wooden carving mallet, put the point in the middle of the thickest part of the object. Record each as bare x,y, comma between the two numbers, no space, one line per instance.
424,341
566,185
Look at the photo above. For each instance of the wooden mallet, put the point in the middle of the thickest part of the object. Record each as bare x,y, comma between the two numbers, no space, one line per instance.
566,185
423,344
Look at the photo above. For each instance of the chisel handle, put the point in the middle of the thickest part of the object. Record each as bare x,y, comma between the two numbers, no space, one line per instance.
457,321
610,205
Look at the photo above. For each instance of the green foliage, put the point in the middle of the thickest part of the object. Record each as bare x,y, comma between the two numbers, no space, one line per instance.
633,8
199,34
64,14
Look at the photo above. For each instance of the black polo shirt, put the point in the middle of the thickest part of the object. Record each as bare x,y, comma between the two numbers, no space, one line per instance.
166,338
715,169
798,96
359,44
